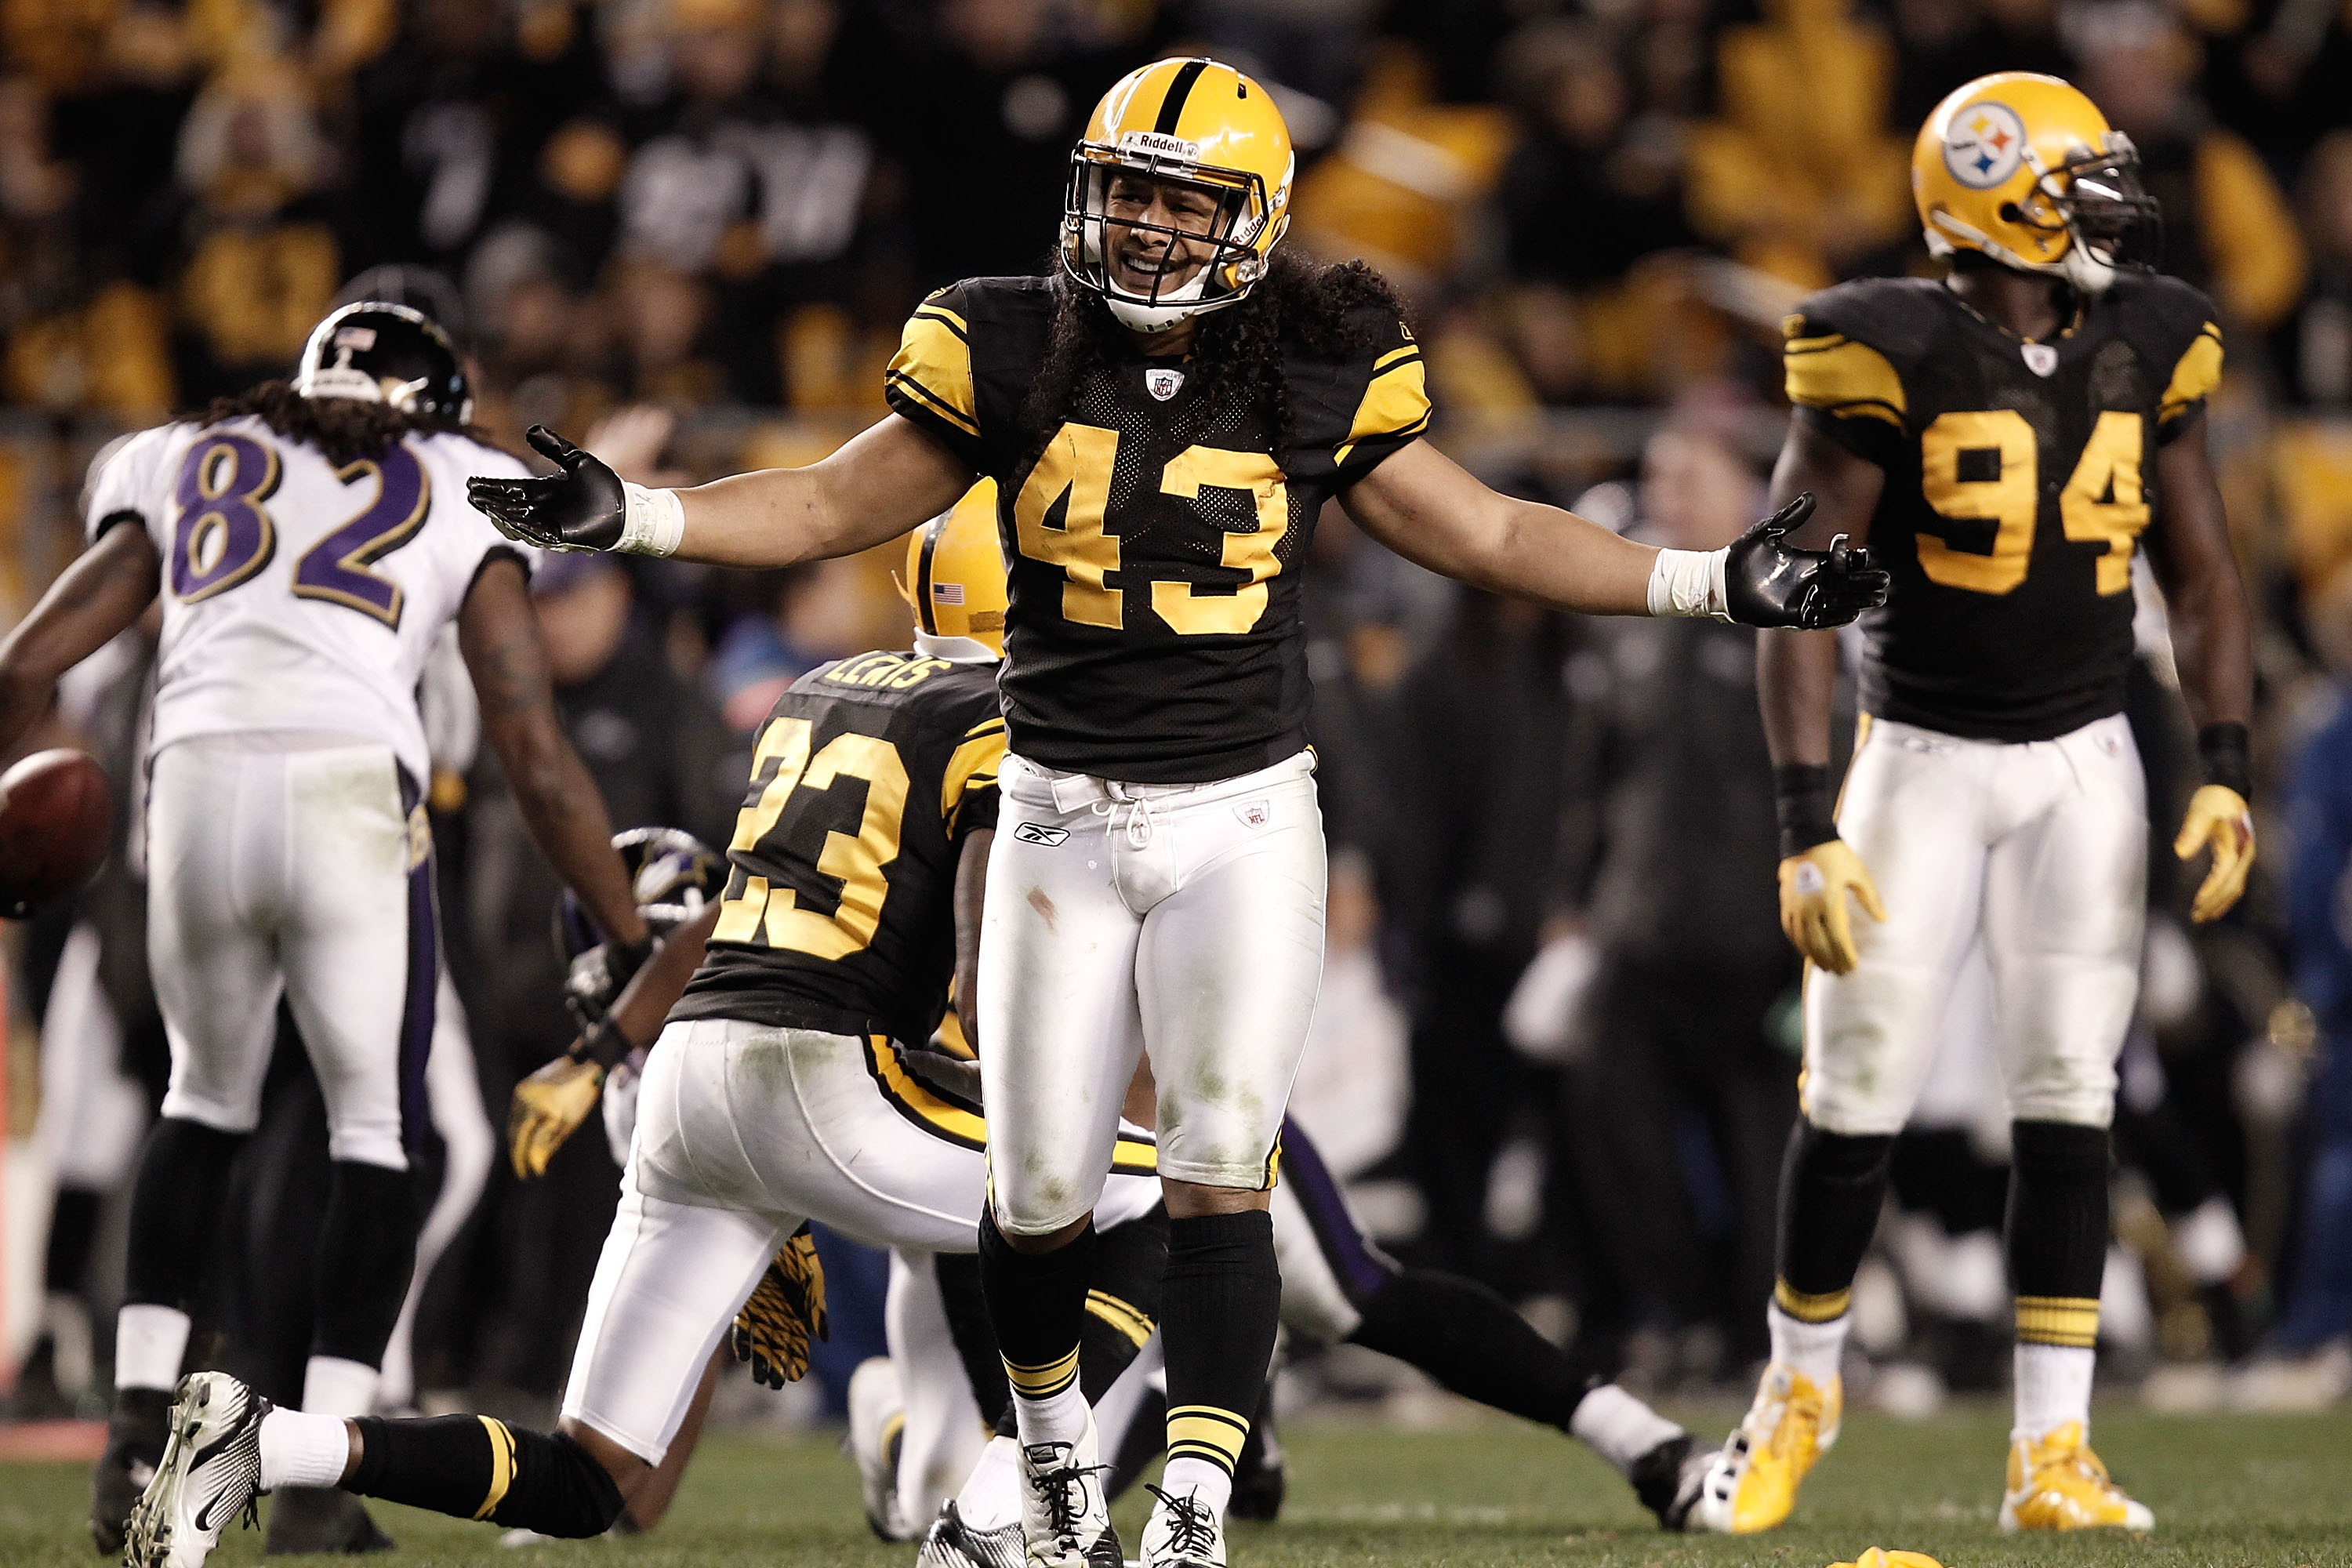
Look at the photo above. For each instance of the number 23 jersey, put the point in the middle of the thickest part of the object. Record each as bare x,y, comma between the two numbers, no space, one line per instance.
2019,479
1154,540
299,595
839,913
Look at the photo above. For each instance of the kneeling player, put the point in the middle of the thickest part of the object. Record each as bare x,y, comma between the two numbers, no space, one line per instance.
776,1097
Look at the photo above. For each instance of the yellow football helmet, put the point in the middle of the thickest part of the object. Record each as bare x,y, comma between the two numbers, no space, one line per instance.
1202,124
955,572
2026,170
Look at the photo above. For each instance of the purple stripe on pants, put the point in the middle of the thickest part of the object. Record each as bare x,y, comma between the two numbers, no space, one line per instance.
1360,1268
423,990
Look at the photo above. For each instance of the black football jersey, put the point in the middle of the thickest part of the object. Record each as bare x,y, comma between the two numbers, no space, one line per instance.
1154,632
2019,478
839,909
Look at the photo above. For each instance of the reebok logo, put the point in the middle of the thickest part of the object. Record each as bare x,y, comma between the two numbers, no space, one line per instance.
1037,832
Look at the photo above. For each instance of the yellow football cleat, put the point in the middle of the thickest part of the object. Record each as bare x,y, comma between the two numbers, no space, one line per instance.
2058,1483
1753,1484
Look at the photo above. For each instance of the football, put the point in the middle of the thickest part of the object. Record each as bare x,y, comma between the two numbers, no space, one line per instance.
56,814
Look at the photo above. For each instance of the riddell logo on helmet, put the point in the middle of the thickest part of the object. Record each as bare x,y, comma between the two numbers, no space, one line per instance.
1984,145
1152,144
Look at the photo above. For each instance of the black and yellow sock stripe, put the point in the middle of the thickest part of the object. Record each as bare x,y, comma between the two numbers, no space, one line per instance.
502,1466
1120,1315
1205,1432
2071,1321
1821,1308
1043,1381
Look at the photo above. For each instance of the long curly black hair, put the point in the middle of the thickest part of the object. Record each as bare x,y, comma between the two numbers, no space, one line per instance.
1237,352
342,429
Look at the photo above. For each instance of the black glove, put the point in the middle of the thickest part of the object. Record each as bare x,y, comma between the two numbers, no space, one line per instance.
1767,583
582,508
597,976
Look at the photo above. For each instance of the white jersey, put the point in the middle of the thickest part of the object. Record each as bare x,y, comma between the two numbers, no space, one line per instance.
299,596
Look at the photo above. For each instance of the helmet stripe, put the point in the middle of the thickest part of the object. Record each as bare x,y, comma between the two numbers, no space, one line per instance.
925,616
1172,108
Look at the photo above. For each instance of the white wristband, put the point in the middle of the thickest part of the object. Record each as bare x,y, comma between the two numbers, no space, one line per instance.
653,523
1689,583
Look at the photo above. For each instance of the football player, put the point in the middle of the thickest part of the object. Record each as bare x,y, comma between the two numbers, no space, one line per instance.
776,1094
1165,417
2006,437
309,539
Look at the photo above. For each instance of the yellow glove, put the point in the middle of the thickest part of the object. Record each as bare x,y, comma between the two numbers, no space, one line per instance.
548,1107
786,1311
1813,915
1879,1557
2218,819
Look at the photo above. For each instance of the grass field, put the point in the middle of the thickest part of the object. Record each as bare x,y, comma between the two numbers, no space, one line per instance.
2228,1492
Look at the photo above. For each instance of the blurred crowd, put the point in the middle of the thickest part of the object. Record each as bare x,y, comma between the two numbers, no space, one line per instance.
1557,1047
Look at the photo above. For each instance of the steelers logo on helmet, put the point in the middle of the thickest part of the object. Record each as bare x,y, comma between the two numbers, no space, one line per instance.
2025,169
1984,145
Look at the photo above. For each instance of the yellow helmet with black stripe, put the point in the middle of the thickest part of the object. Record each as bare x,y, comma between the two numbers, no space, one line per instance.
1205,129
2026,170
955,573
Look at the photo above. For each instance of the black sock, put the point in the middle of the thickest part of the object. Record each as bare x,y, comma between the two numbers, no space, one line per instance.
974,1336
1220,1307
175,1209
73,1233
473,1466
1122,1310
1123,1300
2058,1231
1474,1344
1832,1186
1037,1304
367,1249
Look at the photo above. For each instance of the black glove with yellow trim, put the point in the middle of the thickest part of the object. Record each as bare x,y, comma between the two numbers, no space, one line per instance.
786,1311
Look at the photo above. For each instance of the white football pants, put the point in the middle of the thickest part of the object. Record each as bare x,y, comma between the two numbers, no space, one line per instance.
305,871
1181,919
743,1131
2039,850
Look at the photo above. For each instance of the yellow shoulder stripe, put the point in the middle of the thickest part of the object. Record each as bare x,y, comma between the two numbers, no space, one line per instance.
973,766
1395,403
933,367
1841,377
2197,373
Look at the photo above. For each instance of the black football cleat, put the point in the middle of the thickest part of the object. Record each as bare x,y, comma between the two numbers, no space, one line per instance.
1669,1477
326,1519
136,1431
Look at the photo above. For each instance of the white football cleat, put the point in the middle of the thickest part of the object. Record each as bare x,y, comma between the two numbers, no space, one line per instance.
210,1474
953,1543
1064,1514
1183,1532
877,1421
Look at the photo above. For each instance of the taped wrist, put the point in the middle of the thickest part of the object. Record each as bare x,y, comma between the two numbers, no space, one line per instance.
1805,799
1689,583
2222,747
653,523
601,1043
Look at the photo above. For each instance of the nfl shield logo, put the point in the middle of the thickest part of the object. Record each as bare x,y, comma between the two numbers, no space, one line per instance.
1253,813
1163,385
2041,359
